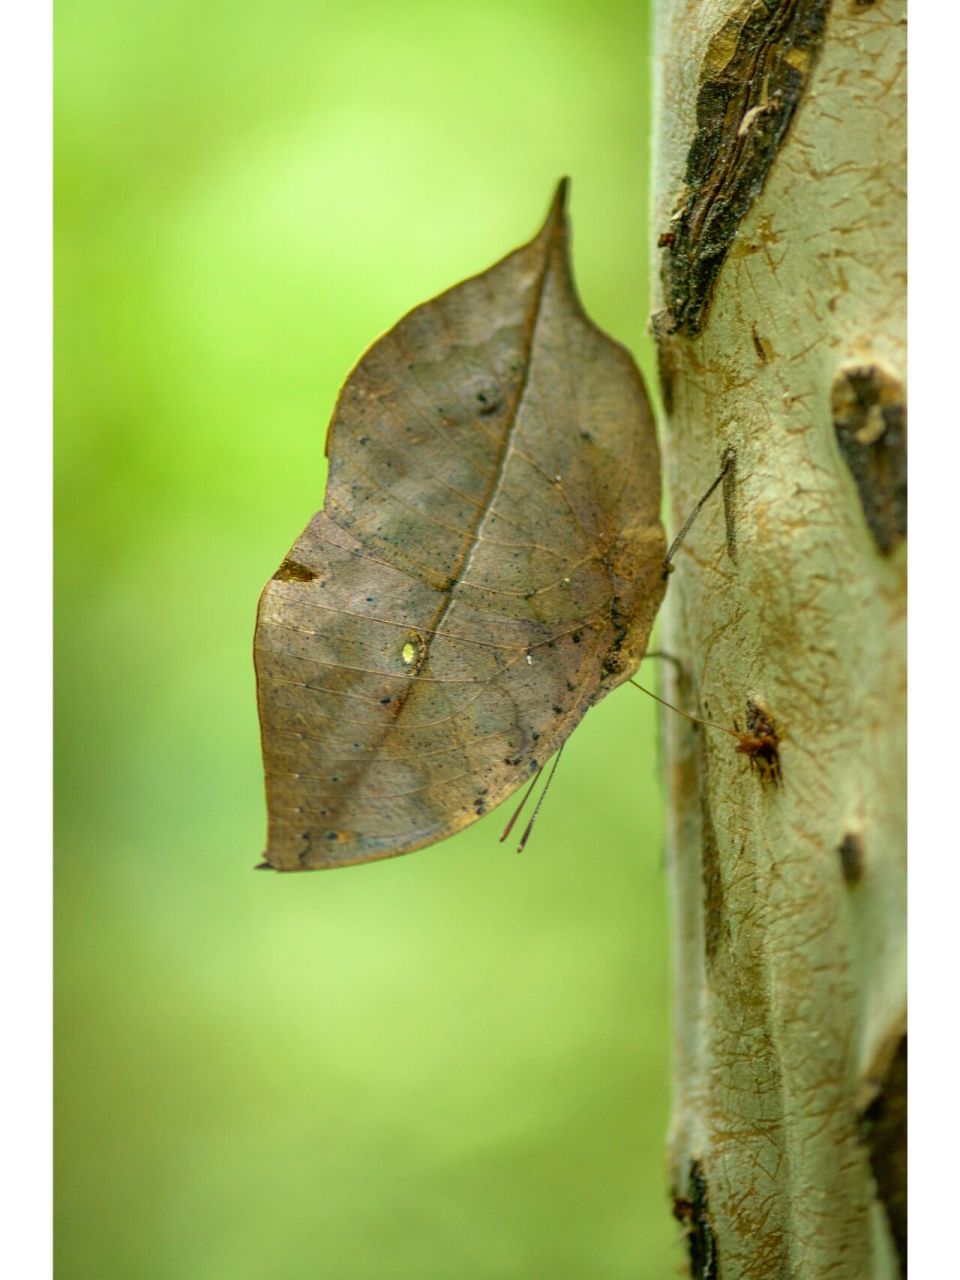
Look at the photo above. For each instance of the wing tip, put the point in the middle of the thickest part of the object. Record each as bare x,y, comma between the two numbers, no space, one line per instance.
557,213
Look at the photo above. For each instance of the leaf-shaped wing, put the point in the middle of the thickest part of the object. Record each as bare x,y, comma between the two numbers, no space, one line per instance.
486,566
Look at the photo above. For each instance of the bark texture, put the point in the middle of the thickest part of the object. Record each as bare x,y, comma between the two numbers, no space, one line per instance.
780,207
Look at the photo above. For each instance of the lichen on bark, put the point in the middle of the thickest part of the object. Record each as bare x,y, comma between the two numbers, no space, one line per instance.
783,339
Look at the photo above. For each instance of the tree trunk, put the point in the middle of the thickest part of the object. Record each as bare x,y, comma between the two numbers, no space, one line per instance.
780,206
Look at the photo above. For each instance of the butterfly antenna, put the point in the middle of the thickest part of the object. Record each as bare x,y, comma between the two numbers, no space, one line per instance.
711,724
728,461
546,787
664,657
522,805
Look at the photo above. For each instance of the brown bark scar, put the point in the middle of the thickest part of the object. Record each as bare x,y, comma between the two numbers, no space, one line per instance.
692,1211
666,358
868,405
850,851
729,464
714,918
883,1129
754,74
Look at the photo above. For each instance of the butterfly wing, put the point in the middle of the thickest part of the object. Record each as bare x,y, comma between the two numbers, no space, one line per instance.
490,543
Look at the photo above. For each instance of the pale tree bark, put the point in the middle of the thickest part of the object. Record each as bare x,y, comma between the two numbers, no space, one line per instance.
780,205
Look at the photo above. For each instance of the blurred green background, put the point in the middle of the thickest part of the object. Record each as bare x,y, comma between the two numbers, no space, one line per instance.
448,1065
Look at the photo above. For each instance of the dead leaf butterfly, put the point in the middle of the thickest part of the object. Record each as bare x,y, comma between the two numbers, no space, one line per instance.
486,567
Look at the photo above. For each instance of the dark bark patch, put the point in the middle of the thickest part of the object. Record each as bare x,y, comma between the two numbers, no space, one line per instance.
883,1128
761,346
666,358
729,464
868,405
850,852
754,73
713,900
692,1211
